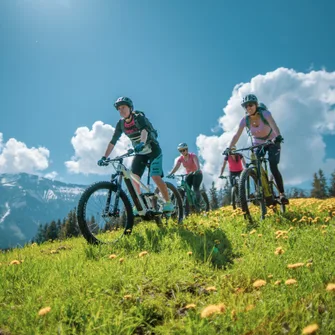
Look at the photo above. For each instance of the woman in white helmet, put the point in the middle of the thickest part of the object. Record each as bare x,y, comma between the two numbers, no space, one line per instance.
262,127
190,162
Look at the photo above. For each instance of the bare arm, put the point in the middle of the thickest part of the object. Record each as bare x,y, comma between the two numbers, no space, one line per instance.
236,136
273,124
196,161
144,135
175,168
109,149
223,167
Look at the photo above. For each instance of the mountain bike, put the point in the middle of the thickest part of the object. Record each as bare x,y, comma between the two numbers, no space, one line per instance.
235,198
256,189
105,213
190,203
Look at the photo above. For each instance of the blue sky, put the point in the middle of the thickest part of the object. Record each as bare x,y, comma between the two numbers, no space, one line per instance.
64,62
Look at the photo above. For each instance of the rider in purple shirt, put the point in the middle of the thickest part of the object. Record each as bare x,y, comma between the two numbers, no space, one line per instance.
262,127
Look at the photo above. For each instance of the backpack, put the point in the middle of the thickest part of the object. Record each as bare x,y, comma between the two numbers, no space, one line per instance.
265,121
152,132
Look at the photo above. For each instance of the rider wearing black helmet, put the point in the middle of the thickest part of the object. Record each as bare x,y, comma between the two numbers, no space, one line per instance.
140,131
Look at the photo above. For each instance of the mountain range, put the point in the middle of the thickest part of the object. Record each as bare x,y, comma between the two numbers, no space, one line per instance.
26,201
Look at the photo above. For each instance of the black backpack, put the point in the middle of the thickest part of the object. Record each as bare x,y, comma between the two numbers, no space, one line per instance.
152,132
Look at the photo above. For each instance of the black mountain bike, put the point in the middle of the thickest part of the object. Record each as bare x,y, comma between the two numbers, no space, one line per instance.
105,212
189,198
256,189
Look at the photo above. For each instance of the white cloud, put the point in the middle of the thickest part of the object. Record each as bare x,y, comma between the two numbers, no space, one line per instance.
51,175
90,145
16,157
302,105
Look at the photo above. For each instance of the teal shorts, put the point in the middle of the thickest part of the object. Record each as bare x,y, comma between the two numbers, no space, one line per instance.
140,163
156,166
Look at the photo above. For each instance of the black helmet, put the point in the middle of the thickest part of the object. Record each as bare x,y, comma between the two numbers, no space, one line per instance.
123,101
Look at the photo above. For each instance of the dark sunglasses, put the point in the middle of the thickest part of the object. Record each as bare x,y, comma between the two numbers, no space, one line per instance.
250,104
182,150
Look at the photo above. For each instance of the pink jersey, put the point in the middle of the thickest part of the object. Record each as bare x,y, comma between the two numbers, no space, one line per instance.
188,164
235,164
262,130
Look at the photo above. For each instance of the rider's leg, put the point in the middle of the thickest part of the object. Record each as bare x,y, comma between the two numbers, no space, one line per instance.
162,187
156,172
274,158
231,178
137,168
189,180
197,179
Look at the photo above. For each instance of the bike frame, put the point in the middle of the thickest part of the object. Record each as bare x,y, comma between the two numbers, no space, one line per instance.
190,195
129,178
261,172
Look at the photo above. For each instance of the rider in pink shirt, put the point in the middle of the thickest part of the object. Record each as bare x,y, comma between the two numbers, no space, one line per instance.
191,164
235,164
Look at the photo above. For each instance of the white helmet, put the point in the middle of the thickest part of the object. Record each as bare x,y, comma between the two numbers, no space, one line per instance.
182,145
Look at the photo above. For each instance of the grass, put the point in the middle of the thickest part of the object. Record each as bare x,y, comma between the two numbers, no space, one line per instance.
196,278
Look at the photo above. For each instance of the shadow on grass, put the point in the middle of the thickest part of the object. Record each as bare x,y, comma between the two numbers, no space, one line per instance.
207,245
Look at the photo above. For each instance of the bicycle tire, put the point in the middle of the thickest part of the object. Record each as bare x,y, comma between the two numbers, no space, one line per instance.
81,211
244,197
186,204
178,214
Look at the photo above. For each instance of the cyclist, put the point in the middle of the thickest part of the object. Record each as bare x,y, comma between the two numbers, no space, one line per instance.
190,162
236,163
262,127
138,128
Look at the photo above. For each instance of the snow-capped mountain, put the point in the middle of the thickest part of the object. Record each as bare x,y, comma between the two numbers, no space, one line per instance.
26,201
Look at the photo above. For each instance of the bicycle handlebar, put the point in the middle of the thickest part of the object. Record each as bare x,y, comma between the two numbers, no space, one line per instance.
254,146
173,176
129,153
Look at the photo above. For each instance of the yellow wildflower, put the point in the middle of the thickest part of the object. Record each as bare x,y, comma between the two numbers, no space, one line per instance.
290,282
143,253
44,311
330,287
279,251
259,283
311,329
190,306
296,265
212,309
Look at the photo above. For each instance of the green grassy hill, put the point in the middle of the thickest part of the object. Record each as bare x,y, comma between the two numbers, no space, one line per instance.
211,275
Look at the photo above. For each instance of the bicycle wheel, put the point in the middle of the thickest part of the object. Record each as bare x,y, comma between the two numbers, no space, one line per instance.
251,198
178,213
98,220
276,196
186,205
